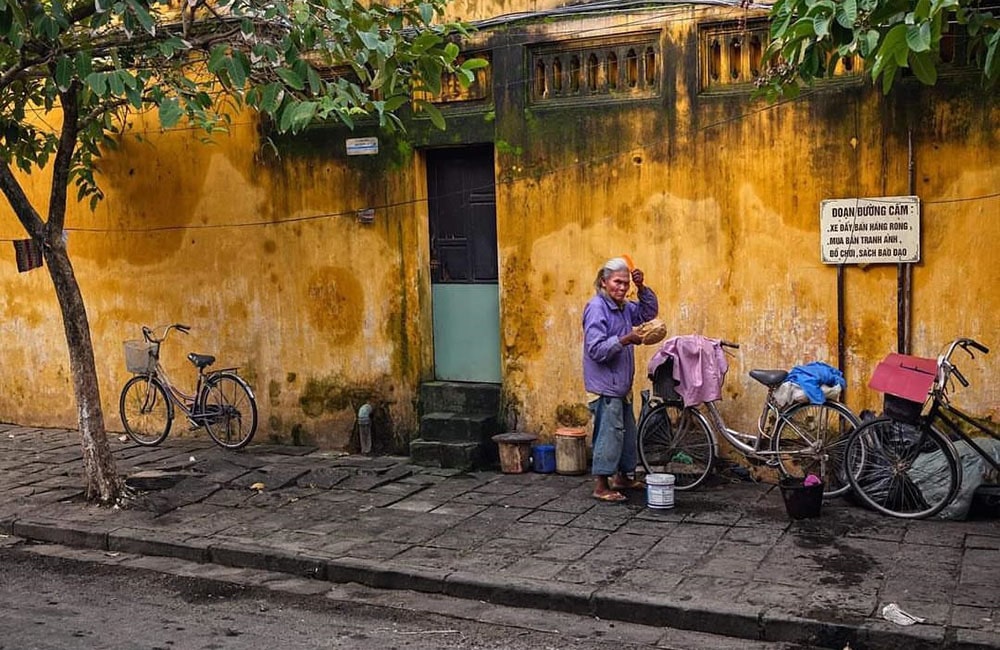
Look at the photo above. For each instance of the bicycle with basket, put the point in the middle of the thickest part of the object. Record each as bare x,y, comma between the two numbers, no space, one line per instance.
905,463
222,402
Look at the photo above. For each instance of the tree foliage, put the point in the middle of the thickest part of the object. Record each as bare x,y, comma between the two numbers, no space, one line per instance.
72,72
295,61
809,37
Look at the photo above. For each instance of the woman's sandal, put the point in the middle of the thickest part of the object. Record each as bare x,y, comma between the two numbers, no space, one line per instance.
631,484
612,496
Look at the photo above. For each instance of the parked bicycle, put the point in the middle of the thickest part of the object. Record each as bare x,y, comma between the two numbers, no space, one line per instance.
906,464
222,402
798,439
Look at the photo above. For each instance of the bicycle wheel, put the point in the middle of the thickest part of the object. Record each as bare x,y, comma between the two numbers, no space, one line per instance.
810,439
145,410
904,470
228,410
678,441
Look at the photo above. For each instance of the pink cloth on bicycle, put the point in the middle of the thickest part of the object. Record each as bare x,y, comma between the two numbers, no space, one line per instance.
700,366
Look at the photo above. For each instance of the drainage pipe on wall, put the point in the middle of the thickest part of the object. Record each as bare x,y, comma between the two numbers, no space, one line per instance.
365,428
904,271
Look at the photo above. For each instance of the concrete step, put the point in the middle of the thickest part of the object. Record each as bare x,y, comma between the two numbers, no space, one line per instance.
444,426
453,455
459,397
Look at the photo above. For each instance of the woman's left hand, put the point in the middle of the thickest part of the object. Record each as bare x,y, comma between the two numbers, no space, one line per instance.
638,278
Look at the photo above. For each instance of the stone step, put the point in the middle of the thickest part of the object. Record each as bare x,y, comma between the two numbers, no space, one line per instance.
453,455
459,397
444,426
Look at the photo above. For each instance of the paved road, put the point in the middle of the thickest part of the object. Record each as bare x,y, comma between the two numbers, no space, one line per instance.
725,560
60,598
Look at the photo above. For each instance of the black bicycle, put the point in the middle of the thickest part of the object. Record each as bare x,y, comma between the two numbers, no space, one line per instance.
905,463
222,402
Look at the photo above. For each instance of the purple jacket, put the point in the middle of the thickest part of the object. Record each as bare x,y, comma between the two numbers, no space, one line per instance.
609,366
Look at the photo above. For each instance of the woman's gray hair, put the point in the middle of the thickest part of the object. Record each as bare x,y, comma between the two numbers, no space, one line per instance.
614,265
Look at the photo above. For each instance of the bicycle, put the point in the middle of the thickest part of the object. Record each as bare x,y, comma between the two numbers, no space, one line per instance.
798,439
222,402
906,465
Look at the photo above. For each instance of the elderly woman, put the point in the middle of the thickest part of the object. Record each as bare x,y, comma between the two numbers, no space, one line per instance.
608,369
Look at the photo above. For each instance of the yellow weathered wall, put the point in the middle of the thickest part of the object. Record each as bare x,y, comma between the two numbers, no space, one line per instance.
716,198
311,309
719,204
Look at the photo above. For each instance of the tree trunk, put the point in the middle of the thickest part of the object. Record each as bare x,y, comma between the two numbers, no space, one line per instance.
101,480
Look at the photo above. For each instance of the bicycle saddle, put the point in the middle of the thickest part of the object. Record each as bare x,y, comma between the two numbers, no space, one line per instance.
769,377
201,361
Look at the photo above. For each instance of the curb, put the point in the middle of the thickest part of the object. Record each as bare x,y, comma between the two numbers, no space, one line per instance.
732,620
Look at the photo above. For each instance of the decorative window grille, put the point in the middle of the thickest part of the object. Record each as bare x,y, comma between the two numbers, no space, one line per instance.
731,55
597,69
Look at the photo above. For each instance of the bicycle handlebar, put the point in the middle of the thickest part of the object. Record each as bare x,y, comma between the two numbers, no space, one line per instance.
946,368
147,332
729,344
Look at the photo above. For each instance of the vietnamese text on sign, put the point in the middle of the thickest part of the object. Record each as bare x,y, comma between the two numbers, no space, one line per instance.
870,231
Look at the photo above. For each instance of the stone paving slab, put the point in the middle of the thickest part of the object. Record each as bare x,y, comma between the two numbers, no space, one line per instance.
725,560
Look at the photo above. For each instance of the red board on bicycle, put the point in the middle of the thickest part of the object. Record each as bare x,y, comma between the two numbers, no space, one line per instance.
904,376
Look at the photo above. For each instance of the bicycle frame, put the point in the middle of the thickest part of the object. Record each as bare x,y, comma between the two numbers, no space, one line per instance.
951,417
754,446
188,404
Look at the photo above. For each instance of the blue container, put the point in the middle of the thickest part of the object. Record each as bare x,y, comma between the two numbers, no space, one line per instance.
543,458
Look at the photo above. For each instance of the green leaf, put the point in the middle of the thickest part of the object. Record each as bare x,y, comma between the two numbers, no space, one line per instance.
217,59
303,115
134,95
922,64
894,45
918,37
474,64
432,112
170,112
991,62
315,82
370,40
115,84
291,78
394,102
64,72
821,26
271,98
426,12
238,68
887,78
97,83
142,16
923,9
867,43
847,13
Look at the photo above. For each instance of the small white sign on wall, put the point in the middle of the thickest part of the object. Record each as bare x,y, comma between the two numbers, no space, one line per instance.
362,146
883,230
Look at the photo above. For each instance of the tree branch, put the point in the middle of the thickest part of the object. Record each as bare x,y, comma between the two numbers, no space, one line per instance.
25,212
64,158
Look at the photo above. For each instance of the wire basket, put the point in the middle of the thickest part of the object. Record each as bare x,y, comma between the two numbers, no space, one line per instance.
141,356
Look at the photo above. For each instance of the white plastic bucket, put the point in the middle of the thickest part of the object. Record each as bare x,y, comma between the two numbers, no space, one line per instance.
660,490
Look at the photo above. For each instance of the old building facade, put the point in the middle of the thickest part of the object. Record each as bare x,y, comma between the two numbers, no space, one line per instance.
337,272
